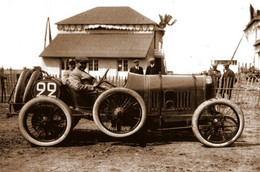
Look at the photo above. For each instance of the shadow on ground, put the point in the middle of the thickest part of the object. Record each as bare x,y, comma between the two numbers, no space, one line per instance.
83,137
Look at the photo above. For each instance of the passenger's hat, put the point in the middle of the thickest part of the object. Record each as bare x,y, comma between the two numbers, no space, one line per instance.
81,59
151,59
136,60
71,61
214,64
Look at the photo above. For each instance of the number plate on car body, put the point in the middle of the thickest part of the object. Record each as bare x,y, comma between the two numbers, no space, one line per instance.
47,88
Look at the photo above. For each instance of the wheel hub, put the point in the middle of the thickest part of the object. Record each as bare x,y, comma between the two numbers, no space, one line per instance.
215,121
44,121
118,111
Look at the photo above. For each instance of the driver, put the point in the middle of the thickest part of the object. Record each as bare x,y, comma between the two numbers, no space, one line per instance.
79,79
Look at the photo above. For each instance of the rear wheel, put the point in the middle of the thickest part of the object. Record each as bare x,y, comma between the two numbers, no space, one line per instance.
119,112
217,122
45,121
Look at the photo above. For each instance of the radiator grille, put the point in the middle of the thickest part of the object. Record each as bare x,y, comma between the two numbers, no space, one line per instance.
155,100
177,100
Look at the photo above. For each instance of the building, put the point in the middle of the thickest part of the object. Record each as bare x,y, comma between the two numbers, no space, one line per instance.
111,37
252,32
252,35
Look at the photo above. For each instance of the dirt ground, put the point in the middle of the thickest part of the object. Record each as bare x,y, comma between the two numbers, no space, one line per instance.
91,150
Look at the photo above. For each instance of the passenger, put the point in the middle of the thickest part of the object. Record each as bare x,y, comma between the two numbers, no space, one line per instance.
66,74
136,68
152,69
79,79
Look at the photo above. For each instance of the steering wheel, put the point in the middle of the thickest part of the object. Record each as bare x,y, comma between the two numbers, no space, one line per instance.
103,79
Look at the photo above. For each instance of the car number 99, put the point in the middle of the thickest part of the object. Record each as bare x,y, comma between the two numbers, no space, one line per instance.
46,89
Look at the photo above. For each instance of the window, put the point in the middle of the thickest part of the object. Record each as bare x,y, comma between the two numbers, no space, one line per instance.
122,65
93,65
64,64
125,65
119,68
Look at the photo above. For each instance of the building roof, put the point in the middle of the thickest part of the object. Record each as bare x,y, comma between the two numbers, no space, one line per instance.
99,45
108,15
255,19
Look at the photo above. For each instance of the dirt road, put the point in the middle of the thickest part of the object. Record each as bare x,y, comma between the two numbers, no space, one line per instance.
91,150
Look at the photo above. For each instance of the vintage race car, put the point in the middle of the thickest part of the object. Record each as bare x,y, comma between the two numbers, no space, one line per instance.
49,110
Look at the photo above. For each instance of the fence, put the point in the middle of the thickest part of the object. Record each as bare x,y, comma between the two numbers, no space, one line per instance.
245,91
9,79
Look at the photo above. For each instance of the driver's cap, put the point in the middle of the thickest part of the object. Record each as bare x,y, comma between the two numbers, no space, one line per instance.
81,59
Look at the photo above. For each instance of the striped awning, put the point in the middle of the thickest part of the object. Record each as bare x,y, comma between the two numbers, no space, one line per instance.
99,45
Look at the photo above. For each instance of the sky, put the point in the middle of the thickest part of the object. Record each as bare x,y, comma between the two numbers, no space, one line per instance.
205,29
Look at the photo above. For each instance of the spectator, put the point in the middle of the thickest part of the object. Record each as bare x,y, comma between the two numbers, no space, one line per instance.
3,95
79,79
152,69
227,82
136,68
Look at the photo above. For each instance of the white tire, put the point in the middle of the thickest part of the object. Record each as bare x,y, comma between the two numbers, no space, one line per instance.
218,122
45,121
119,112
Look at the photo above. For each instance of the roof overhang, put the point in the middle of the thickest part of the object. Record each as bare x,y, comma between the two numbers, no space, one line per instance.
257,43
99,45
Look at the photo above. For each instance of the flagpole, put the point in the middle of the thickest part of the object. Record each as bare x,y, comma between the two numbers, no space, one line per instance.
48,27
50,38
237,47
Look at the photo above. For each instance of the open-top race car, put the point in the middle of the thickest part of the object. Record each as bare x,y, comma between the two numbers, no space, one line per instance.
48,110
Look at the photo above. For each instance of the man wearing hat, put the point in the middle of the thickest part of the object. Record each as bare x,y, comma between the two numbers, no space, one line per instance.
136,68
215,74
152,69
79,79
227,82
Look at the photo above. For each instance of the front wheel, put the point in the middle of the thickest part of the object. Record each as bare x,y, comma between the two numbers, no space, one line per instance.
218,122
119,112
45,121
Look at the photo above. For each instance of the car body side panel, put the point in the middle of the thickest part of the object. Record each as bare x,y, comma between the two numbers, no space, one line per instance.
170,97
148,86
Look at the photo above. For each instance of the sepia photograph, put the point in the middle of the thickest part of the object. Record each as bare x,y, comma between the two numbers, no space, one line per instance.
130,85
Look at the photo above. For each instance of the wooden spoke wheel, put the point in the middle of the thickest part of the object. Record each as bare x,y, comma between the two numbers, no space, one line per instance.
217,122
45,121
119,112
